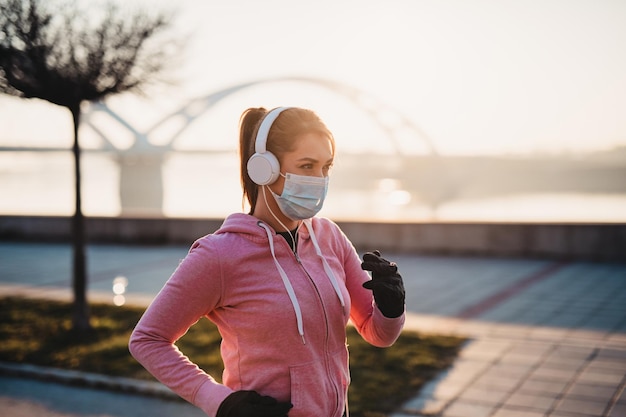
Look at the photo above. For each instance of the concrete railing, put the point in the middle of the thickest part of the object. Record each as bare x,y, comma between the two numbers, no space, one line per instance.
601,242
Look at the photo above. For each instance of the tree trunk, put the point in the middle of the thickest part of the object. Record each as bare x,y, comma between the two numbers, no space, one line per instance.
80,318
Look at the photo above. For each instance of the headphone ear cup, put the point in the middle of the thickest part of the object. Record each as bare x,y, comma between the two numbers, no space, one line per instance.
263,168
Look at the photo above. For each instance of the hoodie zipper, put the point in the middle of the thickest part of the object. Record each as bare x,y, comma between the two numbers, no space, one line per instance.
327,323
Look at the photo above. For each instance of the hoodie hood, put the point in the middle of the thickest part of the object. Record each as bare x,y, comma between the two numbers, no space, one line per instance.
243,224
248,226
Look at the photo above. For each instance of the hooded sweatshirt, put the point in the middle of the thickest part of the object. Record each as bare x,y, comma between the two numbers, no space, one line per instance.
283,333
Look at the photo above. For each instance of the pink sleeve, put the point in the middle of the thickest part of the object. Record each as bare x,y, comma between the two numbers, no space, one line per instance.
193,290
371,324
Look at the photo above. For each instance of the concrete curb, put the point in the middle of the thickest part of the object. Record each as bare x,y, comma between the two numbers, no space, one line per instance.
575,241
89,380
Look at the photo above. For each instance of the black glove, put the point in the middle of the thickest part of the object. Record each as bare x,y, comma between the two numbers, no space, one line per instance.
386,284
252,404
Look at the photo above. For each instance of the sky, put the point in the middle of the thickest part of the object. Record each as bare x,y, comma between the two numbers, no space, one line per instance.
477,77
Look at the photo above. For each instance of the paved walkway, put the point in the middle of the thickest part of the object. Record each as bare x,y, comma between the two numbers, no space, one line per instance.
545,338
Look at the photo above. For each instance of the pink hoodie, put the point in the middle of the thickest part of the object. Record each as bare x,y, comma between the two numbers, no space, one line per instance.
283,334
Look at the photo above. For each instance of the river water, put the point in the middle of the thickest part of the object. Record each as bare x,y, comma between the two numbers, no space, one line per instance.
207,186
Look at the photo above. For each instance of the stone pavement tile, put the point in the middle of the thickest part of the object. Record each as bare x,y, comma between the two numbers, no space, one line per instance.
468,409
554,374
497,382
530,360
613,353
514,370
483,395
573,351
592,345
565,319
486,349
535,318
618,338
529,348
511,331
586,408
504,313
440,285
601,378
548,333
476,329
432,324
563,362
607,365
592,335
512,412
592,391
543,387
621,328
437,394
531,402
463,372
619,410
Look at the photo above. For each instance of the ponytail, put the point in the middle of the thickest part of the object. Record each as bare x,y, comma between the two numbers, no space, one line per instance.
248,126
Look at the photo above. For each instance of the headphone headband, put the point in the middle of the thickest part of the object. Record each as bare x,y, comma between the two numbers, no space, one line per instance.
260,143
263,167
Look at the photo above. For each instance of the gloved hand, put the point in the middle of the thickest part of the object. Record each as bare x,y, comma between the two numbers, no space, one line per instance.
386,284
252,404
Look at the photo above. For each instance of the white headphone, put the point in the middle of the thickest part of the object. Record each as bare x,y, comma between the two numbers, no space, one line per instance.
263,166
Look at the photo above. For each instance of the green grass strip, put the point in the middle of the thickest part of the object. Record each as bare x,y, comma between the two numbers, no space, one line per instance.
39,332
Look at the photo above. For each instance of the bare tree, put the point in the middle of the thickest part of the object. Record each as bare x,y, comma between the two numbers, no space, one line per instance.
66,56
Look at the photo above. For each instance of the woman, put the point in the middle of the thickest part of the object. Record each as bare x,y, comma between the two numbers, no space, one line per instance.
279,283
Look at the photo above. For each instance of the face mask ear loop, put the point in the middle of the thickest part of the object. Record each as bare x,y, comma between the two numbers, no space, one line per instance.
286,283
293,244
329,271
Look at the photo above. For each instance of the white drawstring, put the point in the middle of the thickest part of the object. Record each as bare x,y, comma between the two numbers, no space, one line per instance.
286,282
283,275
329,272
294,236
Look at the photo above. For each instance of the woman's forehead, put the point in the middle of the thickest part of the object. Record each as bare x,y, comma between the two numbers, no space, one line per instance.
313,145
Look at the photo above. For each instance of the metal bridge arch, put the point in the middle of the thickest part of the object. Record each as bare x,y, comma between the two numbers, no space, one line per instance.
197,107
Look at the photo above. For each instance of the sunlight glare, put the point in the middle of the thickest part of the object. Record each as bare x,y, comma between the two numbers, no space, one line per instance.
119,285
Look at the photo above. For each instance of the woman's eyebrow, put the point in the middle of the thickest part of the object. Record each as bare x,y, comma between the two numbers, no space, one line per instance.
309,159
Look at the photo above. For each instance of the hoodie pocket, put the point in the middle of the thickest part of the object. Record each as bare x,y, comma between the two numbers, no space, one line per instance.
339,362
308,393
316,391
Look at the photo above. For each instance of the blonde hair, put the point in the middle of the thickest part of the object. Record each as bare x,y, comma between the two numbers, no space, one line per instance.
282,137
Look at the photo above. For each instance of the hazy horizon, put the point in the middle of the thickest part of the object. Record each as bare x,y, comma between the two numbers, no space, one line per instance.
480,77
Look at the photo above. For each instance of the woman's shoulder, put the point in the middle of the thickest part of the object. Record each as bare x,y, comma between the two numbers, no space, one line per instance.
233,225
238,232
324,222
328,229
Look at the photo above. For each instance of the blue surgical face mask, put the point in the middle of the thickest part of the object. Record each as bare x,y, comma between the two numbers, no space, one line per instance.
302,196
